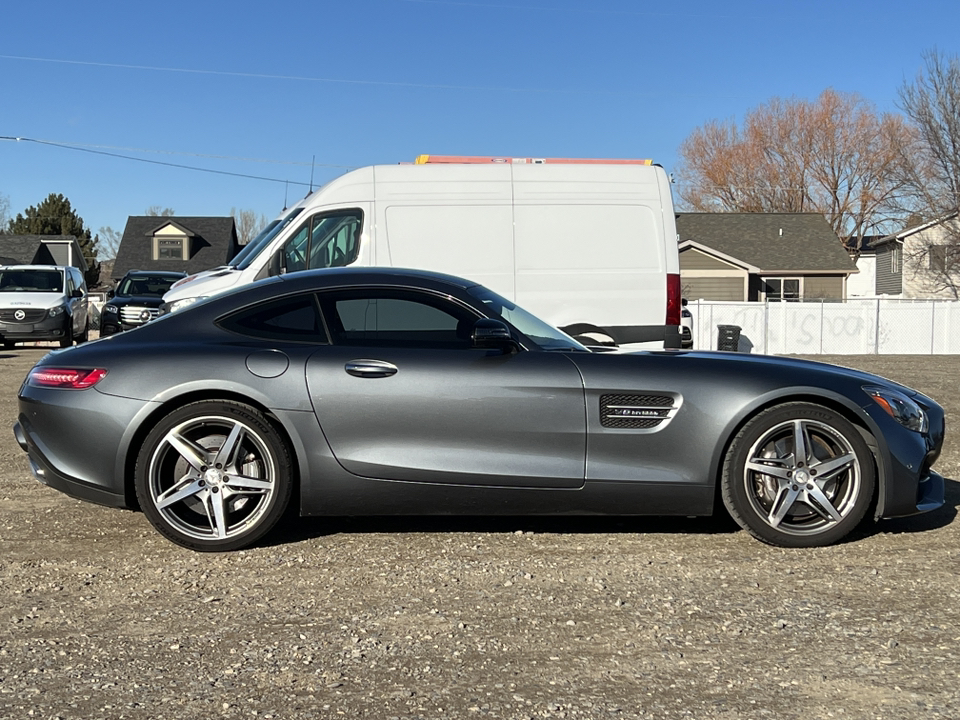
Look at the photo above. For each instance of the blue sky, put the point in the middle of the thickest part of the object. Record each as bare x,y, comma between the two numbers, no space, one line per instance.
268,88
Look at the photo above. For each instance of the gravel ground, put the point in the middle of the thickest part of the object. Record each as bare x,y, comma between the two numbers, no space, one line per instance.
517,618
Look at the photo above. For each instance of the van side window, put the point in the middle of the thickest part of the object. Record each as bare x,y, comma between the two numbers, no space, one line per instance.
325,240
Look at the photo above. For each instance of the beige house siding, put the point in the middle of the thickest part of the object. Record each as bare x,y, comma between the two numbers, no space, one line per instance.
918,282
713,288
829,287
693,259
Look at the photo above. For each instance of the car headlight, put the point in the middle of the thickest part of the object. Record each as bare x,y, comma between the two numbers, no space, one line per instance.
112,309
181,304
899,406
54,311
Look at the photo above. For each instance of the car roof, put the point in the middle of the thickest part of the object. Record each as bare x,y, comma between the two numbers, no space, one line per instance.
35,267
325,277
155,273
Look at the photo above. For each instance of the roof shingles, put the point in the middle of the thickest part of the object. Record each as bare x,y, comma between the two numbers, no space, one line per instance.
214,243
770,242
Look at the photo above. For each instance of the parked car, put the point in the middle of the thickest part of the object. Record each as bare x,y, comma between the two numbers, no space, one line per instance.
43,302
136,300
360,391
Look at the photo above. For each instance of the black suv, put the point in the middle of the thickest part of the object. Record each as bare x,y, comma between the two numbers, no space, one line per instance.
136,300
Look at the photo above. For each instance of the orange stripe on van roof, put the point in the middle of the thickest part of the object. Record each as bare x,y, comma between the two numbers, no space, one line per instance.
477,159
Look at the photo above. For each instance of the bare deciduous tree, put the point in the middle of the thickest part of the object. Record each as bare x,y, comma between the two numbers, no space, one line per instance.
108,243
248,224
4,213
834,155
932,103
159,211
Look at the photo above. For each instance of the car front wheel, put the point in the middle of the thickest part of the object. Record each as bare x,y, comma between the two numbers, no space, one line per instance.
798,475
214,476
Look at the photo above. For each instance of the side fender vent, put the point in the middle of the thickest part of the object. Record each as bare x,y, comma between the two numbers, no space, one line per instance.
651,411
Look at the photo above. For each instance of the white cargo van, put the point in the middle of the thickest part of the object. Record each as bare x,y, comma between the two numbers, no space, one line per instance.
588,245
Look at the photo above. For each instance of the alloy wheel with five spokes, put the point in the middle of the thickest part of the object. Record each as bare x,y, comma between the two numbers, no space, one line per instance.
798,475
213,475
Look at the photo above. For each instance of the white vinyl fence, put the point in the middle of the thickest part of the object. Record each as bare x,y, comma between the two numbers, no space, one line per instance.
854,327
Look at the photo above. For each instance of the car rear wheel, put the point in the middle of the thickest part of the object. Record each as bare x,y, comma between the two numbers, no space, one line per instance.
798,475
214,476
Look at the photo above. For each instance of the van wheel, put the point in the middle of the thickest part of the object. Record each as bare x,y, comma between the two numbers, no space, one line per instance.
587,334
86,333
67,339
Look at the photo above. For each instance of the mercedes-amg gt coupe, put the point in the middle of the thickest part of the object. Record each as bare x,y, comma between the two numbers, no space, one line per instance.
358,391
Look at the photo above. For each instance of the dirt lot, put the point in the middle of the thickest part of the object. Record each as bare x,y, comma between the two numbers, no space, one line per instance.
413,618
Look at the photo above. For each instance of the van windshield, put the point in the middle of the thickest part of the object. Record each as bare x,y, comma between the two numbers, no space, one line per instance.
31,281
255,247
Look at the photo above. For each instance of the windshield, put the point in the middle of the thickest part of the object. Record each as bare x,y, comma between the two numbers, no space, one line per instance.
145,285
31,281
255,247
543,334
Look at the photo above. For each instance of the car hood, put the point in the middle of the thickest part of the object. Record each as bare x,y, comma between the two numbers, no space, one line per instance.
30,300
147,300
747,360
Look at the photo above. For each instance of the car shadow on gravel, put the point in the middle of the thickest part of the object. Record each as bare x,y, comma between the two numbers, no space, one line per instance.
297,529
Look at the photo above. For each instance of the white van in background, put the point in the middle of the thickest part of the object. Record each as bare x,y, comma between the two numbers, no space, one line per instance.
588,245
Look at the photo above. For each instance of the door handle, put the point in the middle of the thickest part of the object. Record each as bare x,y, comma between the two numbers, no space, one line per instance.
370,368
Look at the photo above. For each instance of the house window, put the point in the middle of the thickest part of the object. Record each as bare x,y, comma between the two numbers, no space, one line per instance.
777,289
169,248
895,260
944,258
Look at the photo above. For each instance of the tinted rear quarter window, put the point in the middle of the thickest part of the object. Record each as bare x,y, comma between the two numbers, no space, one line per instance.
290,319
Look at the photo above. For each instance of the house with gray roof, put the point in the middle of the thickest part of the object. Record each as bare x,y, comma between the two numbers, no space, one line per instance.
63,250
761,256
183,244
921,261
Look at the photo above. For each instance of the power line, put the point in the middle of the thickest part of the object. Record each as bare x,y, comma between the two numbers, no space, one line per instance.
375,83
81,148
194,154
299,78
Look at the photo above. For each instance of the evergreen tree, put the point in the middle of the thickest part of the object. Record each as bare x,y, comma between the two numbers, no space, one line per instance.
55,216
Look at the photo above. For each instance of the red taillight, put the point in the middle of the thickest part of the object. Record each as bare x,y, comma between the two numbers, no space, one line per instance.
68,378
673,299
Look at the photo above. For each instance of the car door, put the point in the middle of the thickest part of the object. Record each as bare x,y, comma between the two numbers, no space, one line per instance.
401,394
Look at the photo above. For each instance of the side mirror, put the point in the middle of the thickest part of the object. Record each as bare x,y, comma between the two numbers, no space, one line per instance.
683,301
77,293
277,264
490,333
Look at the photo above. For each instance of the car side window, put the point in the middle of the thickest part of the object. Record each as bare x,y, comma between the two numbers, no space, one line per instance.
294,318
396,318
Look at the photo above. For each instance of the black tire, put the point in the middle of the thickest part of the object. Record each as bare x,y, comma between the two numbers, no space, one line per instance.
86,333
214,476
8,344
67,339
798,502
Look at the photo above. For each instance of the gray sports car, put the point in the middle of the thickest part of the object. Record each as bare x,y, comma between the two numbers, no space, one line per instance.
381,392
